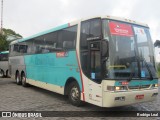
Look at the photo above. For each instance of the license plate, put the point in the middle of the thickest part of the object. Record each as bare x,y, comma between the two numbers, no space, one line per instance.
139,97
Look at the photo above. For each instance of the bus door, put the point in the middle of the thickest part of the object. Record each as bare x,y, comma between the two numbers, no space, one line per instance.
95,88
95,61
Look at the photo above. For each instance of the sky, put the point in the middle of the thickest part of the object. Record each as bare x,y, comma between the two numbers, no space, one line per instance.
28,17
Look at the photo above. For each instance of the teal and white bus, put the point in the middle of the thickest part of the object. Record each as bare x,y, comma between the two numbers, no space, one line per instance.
106,61
4,63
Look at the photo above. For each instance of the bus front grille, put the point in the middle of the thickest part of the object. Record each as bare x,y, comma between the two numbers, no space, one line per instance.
139,87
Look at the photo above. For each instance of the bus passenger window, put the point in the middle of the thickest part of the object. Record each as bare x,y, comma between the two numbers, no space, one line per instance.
67,44
67,37
50,42
95,28
84,34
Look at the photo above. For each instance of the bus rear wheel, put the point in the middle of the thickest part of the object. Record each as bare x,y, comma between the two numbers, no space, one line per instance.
7,74
23,78
18,80
1,73
74,94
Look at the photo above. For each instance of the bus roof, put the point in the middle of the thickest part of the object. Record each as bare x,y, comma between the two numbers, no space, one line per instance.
4,52
118,19
76,22
41,33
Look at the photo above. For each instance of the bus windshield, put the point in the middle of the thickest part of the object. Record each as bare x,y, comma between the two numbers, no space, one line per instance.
130,51
3,56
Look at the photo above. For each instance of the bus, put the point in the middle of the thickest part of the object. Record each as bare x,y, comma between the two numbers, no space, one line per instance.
104,60
4,63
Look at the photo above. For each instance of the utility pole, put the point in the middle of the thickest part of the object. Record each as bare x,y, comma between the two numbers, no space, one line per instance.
1,16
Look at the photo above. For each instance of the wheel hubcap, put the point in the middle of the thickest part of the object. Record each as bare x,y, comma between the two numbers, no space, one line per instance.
74,93
23,80
1,73
17,79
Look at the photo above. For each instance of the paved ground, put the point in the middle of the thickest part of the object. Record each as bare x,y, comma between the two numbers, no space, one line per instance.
17,98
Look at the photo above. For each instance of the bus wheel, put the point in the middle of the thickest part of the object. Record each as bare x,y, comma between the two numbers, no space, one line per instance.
7,74
18,80
1,73
23,78
74,94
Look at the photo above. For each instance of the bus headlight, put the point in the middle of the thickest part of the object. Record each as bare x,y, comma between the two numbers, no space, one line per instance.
117,88
154,85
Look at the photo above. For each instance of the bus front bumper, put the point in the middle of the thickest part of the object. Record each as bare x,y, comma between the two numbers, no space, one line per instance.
114,99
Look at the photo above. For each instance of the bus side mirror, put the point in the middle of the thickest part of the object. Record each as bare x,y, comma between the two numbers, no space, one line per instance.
157,43
105,48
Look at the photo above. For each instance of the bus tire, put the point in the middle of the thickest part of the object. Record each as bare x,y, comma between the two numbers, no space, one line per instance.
18,80
74,94
7,74
23,79
1,73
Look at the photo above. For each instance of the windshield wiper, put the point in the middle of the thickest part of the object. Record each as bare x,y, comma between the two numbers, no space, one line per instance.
132,71
131,74
143,59
147,66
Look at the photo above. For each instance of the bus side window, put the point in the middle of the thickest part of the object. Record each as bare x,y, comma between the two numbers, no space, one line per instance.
68,44
95,28
67,37
31,47
16,49
90,30
50,42
39,44
84,35
23,48
85,26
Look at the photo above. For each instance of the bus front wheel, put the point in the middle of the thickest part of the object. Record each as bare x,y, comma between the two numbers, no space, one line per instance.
74,94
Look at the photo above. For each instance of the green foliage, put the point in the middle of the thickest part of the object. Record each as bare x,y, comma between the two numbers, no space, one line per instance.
158,70
4,44
11,32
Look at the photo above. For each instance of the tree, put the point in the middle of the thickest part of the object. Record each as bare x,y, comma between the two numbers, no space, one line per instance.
4,35
158,70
